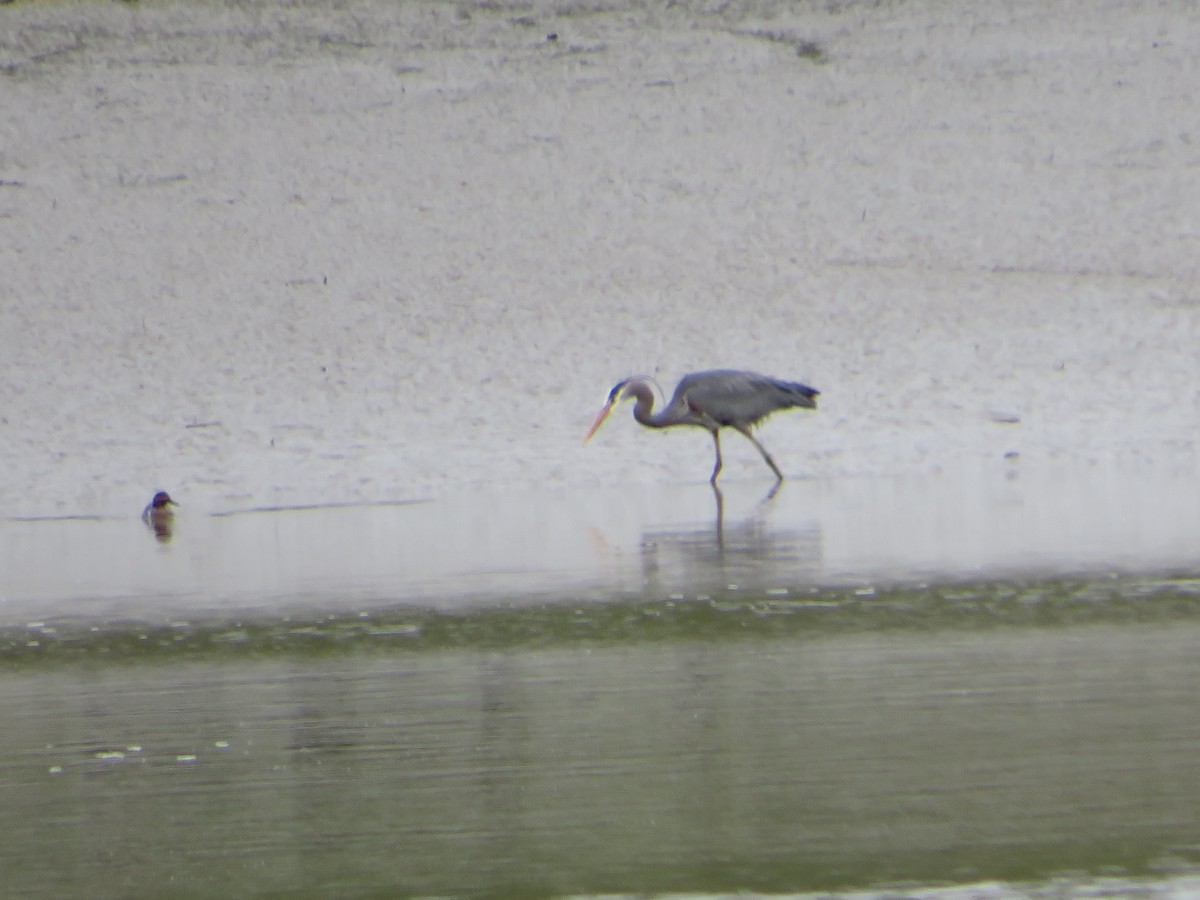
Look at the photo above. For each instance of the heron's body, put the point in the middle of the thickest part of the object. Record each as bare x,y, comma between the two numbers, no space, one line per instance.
712,400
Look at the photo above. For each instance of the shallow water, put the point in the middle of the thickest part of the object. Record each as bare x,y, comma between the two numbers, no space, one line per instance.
664,542
614,691
703,762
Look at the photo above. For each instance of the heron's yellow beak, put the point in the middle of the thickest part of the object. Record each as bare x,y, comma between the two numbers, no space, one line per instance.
608,407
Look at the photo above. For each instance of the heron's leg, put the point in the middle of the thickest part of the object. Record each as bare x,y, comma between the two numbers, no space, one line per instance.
720,515
717,468
761,449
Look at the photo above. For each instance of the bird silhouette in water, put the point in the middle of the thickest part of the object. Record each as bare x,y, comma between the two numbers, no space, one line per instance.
721,398
160,515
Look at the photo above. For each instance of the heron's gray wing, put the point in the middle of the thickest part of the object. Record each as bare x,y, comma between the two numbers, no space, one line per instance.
732,397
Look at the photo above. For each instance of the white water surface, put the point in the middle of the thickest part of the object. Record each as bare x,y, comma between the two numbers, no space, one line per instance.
681,542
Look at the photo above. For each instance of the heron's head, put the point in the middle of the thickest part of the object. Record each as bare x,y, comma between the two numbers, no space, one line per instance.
622,390
614,397
619,392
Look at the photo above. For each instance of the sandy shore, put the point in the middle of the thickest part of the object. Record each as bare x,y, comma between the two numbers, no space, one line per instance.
301,253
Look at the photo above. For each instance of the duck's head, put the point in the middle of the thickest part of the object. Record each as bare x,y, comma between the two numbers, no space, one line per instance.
162,500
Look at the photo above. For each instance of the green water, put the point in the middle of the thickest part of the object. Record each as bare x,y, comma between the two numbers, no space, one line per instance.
803,614
828,740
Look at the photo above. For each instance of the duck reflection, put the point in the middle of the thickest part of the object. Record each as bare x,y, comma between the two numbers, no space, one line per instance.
748,552
159,514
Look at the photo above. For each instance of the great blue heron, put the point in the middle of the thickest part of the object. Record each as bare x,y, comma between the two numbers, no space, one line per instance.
714,400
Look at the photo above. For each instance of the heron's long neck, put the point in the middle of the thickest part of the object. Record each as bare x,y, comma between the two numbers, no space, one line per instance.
644,405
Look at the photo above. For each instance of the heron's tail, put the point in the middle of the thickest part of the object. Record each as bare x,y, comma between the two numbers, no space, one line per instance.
799,394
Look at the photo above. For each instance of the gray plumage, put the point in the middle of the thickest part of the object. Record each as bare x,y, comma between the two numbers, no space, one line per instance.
712,400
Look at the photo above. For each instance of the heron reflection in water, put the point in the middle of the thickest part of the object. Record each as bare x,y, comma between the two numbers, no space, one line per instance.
744,543
712,400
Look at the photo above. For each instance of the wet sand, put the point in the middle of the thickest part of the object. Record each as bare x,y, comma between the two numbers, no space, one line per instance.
297,254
